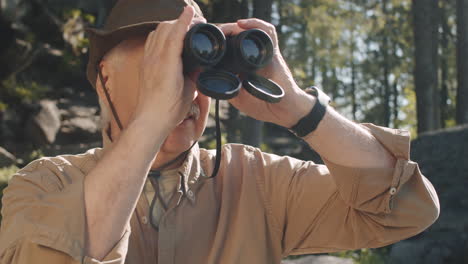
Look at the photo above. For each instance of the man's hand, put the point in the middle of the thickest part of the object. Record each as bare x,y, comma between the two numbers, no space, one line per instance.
295,104
162,87
336,139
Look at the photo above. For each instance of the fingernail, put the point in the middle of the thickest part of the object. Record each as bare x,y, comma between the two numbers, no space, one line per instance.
242,21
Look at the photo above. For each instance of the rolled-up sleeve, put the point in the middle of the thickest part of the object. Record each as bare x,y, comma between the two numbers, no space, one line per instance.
44,217
327,208
26,252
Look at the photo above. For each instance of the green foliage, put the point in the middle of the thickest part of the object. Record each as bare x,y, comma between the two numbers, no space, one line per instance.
35,154
3,106
347,48
408,120
361,256
6,173
266,148
365,256
211,143
5,176
14,92
74,30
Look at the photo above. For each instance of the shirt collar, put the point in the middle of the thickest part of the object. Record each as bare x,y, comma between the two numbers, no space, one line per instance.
191,171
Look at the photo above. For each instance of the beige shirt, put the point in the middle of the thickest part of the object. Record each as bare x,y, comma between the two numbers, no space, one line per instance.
258,209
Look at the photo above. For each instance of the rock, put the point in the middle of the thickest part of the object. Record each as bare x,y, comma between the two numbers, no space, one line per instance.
80,118
42,127
318,260
6,158
443,158
436,248
83,111
79,129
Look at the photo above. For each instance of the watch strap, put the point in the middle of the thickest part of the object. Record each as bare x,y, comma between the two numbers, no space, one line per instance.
311,121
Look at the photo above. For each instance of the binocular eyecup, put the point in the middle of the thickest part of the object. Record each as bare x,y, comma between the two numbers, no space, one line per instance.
223,60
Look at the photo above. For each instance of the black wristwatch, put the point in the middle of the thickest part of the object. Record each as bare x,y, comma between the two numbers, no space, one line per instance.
311,121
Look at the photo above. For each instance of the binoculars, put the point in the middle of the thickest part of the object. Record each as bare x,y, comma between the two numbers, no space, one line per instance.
224,62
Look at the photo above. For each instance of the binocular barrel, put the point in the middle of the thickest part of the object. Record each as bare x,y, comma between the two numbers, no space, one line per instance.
221,59
248,51
206,46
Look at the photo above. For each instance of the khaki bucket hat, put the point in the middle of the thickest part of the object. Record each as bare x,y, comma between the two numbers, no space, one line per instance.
130,18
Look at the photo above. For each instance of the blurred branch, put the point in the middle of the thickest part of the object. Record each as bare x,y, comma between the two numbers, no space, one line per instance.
30,55
55,19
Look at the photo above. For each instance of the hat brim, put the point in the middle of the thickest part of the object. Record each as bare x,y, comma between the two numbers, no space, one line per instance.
101,41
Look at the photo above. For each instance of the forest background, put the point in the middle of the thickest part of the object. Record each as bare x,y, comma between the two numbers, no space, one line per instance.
395,63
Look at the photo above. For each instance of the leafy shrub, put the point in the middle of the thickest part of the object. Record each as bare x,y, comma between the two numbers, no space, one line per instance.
5,175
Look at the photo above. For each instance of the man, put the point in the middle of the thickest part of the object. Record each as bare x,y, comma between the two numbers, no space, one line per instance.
101,207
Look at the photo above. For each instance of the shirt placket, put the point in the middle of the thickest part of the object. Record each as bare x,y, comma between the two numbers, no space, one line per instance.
150,234
168,229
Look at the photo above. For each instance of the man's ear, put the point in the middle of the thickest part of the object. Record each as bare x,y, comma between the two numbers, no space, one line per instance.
102,82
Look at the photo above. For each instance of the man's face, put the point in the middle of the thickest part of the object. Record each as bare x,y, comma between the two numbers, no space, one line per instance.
123,83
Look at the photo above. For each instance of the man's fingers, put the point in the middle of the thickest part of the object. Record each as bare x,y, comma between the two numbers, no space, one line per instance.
174,40
230,29
198,20
260,24
182,24
257,23
254,23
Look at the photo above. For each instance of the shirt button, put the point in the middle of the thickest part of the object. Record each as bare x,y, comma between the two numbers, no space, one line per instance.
144,220
190,194
392,190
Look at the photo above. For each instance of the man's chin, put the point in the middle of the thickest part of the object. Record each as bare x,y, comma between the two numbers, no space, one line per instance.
181,138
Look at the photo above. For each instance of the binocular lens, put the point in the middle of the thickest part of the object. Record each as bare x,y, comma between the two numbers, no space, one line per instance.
204,45
253,50
248,51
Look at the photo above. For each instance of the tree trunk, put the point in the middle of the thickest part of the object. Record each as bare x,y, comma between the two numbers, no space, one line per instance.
7,53
353,77
280,26
326,83
262,9
396,122
386,66
252,133
462,63
105,6
225,11
425,72
444,65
